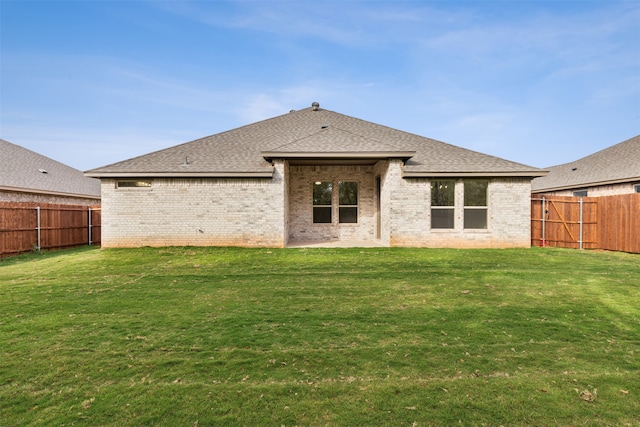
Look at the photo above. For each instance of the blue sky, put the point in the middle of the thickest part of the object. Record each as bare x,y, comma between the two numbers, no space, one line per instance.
93,82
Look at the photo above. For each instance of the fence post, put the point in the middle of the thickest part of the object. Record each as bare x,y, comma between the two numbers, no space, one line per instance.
38,226
580,241
544,237
89,231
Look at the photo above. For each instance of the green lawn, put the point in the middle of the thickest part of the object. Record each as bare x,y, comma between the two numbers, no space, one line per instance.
212,336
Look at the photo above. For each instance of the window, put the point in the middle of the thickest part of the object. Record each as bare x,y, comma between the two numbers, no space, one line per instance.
442,203
323,202
580,193
475,203
322,199
636,188
348,202
133,184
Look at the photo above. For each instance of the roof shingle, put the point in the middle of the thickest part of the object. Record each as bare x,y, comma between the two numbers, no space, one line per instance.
25,170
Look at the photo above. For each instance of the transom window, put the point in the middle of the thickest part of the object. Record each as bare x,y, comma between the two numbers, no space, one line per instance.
442,203
636,188
475,203
324,202
580,193
133,184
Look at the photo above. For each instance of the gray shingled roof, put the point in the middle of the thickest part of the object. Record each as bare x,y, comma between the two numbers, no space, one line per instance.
616,164
322,134
326,138
27,171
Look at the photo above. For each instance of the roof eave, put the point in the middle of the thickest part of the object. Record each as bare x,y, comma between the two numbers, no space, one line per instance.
431,174
49,193
241,174
587,185
346,155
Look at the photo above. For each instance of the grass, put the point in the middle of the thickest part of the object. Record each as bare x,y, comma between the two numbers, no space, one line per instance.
213,336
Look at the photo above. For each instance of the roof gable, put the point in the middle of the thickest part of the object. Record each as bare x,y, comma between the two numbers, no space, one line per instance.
333,139
311,133
331,142
27,171
616,164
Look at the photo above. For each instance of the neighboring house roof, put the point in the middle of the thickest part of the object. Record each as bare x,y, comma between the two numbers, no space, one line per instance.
617,164
26,171
311,135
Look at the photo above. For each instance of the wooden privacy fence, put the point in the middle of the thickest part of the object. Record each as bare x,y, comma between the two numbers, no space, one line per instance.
30,226
609,222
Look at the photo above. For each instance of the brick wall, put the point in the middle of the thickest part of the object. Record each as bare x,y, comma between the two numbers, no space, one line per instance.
274,212
202,212
508,215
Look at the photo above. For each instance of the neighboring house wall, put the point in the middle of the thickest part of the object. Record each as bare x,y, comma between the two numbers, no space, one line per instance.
19,196
203,212
508,216
602,190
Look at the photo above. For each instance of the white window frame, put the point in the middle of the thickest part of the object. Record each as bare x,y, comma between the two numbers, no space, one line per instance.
451,208
314,206
485,207
356,206
335,202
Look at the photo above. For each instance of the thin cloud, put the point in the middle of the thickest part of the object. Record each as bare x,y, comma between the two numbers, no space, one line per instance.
561,37
328,21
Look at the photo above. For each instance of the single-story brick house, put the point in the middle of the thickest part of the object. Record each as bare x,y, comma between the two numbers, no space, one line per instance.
614,170
313,176
26,176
